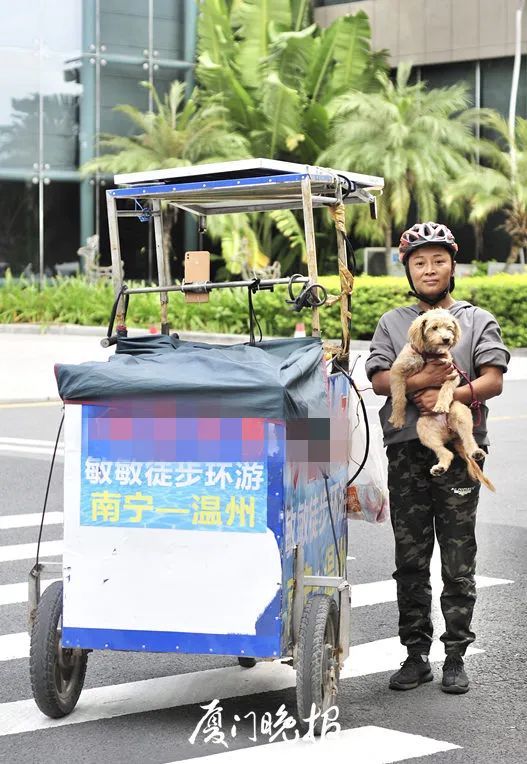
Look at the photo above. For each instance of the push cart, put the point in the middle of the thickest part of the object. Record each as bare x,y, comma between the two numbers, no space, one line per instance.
204,484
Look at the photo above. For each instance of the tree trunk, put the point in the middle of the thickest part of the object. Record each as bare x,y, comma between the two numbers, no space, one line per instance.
513,255
478,237
388,249
169,219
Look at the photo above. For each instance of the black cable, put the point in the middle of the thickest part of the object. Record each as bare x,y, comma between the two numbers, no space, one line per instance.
307,297
341,572
349,188
253,318
351,255
366,424
326,478
47,488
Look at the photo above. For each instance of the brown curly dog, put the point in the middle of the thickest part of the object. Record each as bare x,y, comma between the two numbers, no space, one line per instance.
430,337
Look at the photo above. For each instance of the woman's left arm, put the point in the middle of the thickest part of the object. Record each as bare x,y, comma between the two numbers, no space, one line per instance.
488,384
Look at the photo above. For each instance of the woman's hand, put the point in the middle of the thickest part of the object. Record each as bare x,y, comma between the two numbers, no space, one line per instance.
433,374
425,400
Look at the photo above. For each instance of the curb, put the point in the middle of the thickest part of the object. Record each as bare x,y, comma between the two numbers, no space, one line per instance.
100,331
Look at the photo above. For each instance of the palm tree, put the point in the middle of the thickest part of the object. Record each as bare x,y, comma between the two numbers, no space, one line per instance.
174,134
495,186
414,137
277,74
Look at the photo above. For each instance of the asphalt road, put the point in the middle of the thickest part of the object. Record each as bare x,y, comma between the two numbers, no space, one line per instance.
148,711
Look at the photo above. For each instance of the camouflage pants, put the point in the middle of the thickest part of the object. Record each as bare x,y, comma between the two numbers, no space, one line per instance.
420,503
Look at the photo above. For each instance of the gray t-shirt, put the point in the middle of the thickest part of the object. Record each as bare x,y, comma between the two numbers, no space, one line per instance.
480,345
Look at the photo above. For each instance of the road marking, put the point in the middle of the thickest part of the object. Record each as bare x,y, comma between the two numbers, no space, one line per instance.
14,594
30,520
378,592
507,418
14,646
30,404
16,449
29,442
196,687
374,745
362,595
27,551
386,655
368,658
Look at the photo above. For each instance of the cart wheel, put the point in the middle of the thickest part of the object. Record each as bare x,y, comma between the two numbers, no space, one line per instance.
317,670
57,674
247,662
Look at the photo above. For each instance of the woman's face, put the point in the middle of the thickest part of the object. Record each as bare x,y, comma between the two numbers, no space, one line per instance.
431,267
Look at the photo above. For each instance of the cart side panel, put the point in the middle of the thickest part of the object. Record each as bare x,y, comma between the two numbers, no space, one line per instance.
307,519
172,530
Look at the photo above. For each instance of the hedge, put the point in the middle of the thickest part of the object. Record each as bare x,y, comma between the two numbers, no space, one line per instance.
74,301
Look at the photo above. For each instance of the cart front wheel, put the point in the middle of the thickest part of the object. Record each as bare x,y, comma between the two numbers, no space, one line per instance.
57,673
317,670
247,662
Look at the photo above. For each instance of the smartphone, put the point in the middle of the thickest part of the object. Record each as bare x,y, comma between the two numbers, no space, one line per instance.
197,268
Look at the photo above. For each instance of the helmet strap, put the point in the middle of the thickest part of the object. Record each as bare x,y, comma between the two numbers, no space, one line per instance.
424,298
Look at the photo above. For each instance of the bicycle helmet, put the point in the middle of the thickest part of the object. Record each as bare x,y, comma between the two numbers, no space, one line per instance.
420,235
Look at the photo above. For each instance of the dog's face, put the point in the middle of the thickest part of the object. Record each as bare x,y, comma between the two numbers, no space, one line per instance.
434,331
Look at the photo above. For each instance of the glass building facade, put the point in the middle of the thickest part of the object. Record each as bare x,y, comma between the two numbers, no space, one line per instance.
64,66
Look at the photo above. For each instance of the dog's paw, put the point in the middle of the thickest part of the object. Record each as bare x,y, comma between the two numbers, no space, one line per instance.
479,455
440,408
397,422
437,470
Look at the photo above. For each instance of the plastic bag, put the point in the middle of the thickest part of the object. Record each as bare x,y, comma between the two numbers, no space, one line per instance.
367,496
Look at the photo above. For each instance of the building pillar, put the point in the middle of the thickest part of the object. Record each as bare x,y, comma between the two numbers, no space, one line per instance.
87,116
189,52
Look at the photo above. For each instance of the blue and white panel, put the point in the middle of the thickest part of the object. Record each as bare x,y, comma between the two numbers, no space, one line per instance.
172,532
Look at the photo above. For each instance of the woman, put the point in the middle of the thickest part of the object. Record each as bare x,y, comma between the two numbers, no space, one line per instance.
421,505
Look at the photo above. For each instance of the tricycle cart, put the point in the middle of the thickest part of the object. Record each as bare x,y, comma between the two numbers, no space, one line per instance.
204,484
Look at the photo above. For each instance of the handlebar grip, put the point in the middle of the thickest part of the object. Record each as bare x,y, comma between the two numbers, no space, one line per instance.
107,341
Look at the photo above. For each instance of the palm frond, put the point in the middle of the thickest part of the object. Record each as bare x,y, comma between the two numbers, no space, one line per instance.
289,227
351,51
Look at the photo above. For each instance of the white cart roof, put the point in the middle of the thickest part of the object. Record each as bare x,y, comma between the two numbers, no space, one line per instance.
247,185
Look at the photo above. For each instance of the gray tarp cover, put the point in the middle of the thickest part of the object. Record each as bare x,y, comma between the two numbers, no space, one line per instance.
275,379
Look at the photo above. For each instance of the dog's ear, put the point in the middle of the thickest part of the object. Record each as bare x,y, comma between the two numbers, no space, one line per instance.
417,333
457,332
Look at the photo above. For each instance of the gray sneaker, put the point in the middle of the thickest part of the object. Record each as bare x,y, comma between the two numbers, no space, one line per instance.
413,672
455,679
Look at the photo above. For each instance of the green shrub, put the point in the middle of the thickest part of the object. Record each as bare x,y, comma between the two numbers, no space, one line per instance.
74,301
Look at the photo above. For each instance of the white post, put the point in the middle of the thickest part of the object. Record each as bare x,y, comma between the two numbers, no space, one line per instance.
115,250
163,268
309,230
513,100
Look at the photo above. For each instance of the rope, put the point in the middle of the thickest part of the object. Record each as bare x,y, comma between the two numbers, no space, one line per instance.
338,214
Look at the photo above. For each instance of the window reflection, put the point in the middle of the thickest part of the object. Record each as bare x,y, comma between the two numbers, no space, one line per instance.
64,66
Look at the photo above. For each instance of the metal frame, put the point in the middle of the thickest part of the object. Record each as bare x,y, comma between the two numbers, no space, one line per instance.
241,186
340,583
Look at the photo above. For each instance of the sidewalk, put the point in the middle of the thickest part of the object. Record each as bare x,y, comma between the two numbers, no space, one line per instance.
29,353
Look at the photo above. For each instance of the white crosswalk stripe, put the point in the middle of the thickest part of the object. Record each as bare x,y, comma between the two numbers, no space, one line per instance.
374,745
13,552
30,520
15,594
363,595
14,646
369,658
5,441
